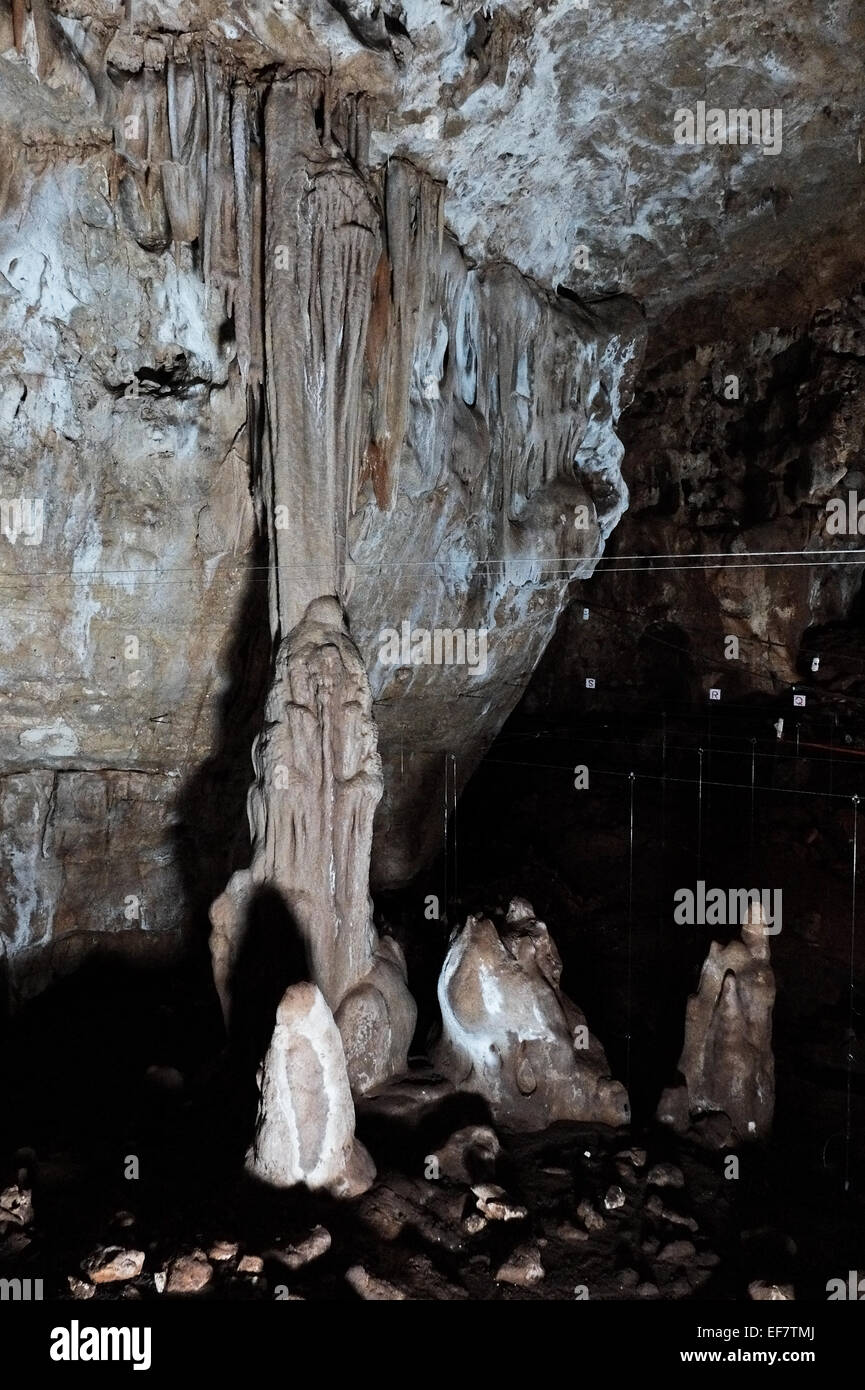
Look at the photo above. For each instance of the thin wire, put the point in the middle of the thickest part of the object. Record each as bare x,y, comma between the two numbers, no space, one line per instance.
700,813
652,777
553,565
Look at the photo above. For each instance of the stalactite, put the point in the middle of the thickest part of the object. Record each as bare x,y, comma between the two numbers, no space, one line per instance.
412,209
322,247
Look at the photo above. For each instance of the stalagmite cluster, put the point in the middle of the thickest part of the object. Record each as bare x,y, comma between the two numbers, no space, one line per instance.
728,1090
510,1033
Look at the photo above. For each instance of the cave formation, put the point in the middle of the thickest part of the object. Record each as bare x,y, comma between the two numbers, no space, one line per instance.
416,471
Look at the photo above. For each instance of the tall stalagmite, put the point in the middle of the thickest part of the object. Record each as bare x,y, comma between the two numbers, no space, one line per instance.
311,807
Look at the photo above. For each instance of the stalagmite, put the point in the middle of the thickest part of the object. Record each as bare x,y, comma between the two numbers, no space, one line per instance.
727,1064
311,807
305,1127
511,1034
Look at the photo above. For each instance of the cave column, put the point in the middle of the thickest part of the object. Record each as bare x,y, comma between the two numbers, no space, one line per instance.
318,774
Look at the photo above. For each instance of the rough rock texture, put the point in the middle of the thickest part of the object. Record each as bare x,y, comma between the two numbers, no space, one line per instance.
553,125
509,1032
727,1061
305,1126
317,784
178,396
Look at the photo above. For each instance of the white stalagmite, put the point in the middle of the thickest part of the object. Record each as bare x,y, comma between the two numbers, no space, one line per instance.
305,1127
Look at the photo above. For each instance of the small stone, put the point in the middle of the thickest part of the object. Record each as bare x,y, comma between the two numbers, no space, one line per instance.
16,1205
761,1292
648,1290
708,1259
79,1288
655,1207
189,1273
554,1171
222,1250
591,1219
123,1219
650,1246
627,1174
312,1247
112,1264
629,1278
493,1203
677,1252
469,1155
572,1234
635,1157
374,1290
385,1212
522,1268
474,1223
614,1199
665,1175
680,1288
251,1264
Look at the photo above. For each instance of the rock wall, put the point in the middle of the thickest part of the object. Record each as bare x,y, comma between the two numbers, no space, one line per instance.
223,321
734,449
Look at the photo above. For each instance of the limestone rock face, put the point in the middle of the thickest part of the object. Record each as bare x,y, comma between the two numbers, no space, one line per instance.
311,807
511,1034
727,1060
232,331
305,1126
